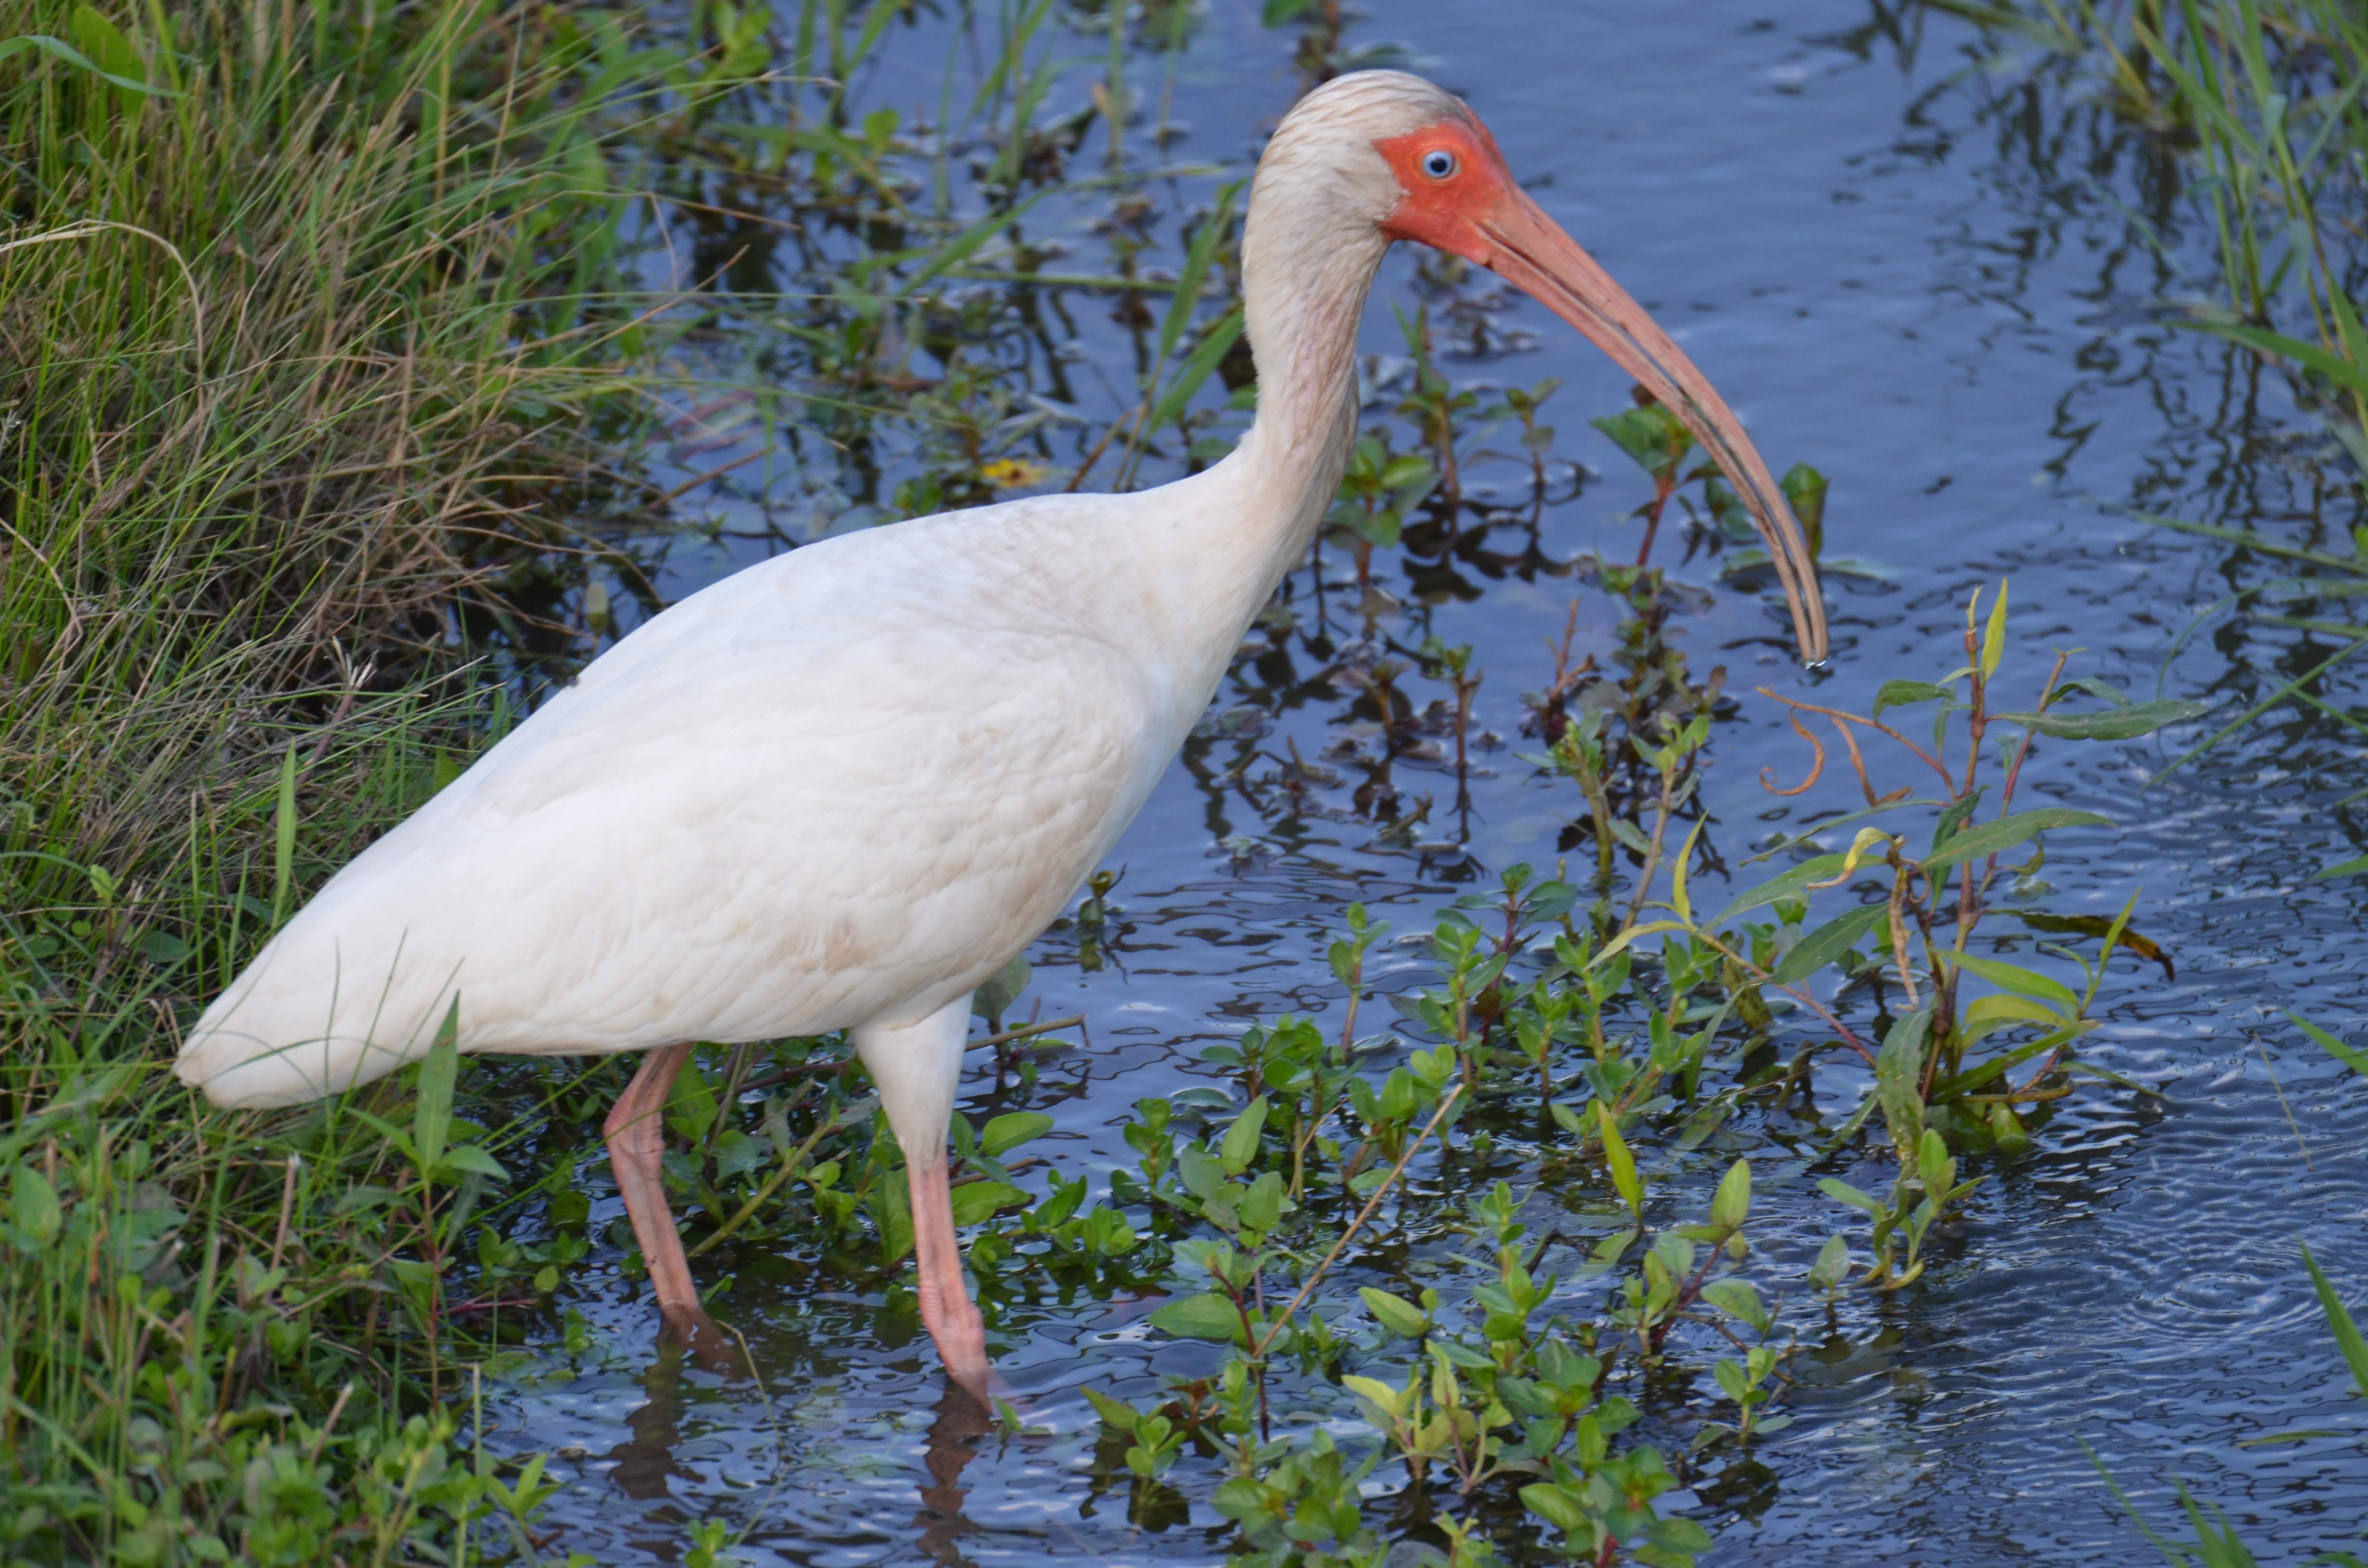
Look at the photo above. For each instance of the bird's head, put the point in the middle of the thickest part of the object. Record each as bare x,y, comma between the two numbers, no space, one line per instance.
1415,163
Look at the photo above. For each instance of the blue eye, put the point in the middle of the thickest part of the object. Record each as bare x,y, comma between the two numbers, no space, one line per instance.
1439,163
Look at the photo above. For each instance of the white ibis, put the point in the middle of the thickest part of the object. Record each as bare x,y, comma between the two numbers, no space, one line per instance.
841,788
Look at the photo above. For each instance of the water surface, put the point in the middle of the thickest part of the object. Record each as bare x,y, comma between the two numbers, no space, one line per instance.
1907,258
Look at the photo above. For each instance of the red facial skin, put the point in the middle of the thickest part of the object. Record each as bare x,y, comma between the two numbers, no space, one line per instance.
1445,214
1475,212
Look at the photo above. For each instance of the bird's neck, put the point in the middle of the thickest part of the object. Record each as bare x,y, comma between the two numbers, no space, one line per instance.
1305,294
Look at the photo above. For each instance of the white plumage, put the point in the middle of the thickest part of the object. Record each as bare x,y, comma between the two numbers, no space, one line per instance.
840,788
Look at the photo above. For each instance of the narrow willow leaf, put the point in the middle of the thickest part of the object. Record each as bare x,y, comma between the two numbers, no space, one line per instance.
1906,693
2114,724
1625,1178
1990,837
2019,980
1827,943
1678,897
1994,639
1789,884
431,1117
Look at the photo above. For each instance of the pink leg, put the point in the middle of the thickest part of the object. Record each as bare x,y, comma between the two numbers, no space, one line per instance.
946,1307
636,1149
918,1065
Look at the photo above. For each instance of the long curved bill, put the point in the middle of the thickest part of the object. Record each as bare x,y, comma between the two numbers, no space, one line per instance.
1529,250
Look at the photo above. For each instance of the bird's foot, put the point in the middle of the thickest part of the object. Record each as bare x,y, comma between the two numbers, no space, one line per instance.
708,1343
960,1334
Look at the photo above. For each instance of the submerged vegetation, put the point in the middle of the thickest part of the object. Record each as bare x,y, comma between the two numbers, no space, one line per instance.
354,378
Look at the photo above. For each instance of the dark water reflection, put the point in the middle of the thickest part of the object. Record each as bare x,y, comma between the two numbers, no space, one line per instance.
1907,253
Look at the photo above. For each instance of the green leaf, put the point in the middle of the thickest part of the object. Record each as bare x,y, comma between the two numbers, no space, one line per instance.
891,1210
1205,1316
104,42
1263,1204
1805,490
2343,869
1737,1300
977,1200
1195,271
2005,832
1678,898
1375,1393
1899,1078
2353,378
1792,883
960,249
1994,638
1213,349
1561,1508
33,1203
1833,1265
1116,1413
2347,1333
2019,980
1012,1128
1907,693
998,991
1623,1164
1843,1192
431,1117
1990,1014
1395,1313
2114,724
2355,1060
283,858
1685,1536
1933,1164
1241,1144
1828,942
1732,1205
65,51
471,1160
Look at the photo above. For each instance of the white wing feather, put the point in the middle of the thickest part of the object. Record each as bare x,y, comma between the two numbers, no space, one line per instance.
839,787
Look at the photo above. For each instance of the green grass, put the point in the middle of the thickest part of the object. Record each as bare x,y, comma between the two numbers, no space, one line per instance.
312,348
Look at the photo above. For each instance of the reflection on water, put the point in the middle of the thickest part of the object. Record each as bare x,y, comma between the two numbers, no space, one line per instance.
1928,261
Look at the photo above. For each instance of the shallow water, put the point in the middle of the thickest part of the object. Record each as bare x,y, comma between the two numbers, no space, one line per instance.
1911,262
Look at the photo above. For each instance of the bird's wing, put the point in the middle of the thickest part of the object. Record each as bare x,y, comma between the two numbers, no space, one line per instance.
829,789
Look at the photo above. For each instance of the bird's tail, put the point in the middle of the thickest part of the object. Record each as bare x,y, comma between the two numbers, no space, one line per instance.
288,1031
